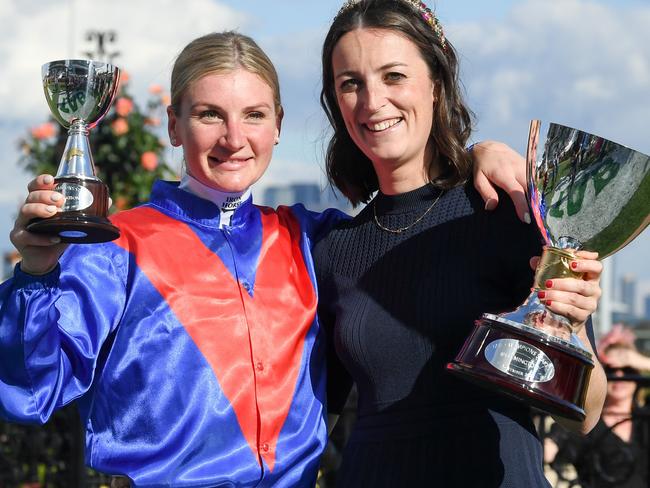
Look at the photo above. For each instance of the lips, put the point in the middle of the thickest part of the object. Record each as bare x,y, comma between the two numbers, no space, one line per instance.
383,125
234,162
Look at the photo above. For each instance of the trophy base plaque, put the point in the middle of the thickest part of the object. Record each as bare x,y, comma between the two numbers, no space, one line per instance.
539,369
83,216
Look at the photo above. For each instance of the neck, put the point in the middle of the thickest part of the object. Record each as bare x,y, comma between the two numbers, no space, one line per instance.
227,202
395,184
396,178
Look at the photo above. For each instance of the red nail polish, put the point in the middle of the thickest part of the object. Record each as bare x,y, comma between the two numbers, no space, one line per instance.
549,303
549,283
541,294
574,265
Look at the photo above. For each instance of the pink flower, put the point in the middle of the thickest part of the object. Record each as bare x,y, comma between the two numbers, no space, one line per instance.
120,126
149,160
123,106
44,131
155,89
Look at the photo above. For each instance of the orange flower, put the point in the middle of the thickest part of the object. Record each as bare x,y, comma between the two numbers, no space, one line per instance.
44,131
165,100
124,78
123,106
155,89
121,203
120,126
153,121
149,160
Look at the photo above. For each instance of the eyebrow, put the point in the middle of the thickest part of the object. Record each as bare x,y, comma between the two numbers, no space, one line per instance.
385,67
255,106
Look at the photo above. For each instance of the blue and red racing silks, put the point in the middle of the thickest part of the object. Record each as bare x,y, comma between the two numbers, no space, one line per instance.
194,353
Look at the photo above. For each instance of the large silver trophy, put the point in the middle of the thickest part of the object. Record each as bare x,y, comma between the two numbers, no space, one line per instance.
585,193
79,94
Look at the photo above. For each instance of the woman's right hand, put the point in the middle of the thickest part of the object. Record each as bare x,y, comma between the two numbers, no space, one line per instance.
40,253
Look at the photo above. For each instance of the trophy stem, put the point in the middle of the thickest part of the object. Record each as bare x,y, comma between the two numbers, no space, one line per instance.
77,160
555,263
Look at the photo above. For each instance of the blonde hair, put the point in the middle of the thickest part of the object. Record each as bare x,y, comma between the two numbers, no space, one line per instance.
221,52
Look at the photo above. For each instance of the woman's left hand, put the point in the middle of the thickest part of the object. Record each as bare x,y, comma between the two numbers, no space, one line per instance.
573,298
497,164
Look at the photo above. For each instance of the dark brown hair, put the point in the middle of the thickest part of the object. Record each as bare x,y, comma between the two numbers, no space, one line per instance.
347,167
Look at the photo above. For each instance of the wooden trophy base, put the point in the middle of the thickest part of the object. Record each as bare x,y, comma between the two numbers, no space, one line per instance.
539,369
83,217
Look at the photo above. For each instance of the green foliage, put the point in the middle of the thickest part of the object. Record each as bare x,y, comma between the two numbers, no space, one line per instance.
47,456
127,150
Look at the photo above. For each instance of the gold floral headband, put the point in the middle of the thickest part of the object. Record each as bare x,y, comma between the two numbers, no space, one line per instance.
424,11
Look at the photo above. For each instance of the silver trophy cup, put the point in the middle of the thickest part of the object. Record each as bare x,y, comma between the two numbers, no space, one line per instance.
79,94
584,193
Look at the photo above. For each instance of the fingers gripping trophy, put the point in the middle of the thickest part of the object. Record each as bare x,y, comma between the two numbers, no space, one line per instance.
585,192
79,94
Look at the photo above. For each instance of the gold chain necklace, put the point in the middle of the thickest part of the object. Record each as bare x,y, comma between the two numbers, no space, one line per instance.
399,230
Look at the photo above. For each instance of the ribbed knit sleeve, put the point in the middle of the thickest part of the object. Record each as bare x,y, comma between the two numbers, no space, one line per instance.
339,381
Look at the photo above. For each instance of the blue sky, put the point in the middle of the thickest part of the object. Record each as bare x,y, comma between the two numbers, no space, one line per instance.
583,63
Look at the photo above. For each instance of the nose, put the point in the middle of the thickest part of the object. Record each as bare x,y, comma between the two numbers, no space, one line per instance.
233,138
373,96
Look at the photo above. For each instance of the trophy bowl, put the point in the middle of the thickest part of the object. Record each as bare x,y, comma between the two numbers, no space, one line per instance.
79,94
585,192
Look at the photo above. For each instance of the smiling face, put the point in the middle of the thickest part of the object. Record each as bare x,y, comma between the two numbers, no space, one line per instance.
385,94
227,124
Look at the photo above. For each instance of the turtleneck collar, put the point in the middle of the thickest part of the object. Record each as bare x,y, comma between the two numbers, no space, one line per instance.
167,196
226,202
406,202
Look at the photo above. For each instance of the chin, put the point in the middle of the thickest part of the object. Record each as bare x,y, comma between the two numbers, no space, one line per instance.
230,185
230,188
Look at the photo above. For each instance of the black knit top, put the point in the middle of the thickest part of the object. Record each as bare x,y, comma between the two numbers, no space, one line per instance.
398,308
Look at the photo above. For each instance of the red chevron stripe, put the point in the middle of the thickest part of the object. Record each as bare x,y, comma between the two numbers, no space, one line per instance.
284,309
253,345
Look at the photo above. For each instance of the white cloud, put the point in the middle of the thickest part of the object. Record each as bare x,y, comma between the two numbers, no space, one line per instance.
594,87
639,68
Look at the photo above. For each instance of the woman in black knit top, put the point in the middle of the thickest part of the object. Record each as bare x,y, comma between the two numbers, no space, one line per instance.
401,283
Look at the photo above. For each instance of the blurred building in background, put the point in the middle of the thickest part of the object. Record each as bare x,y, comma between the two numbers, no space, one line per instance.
628,295
311,195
